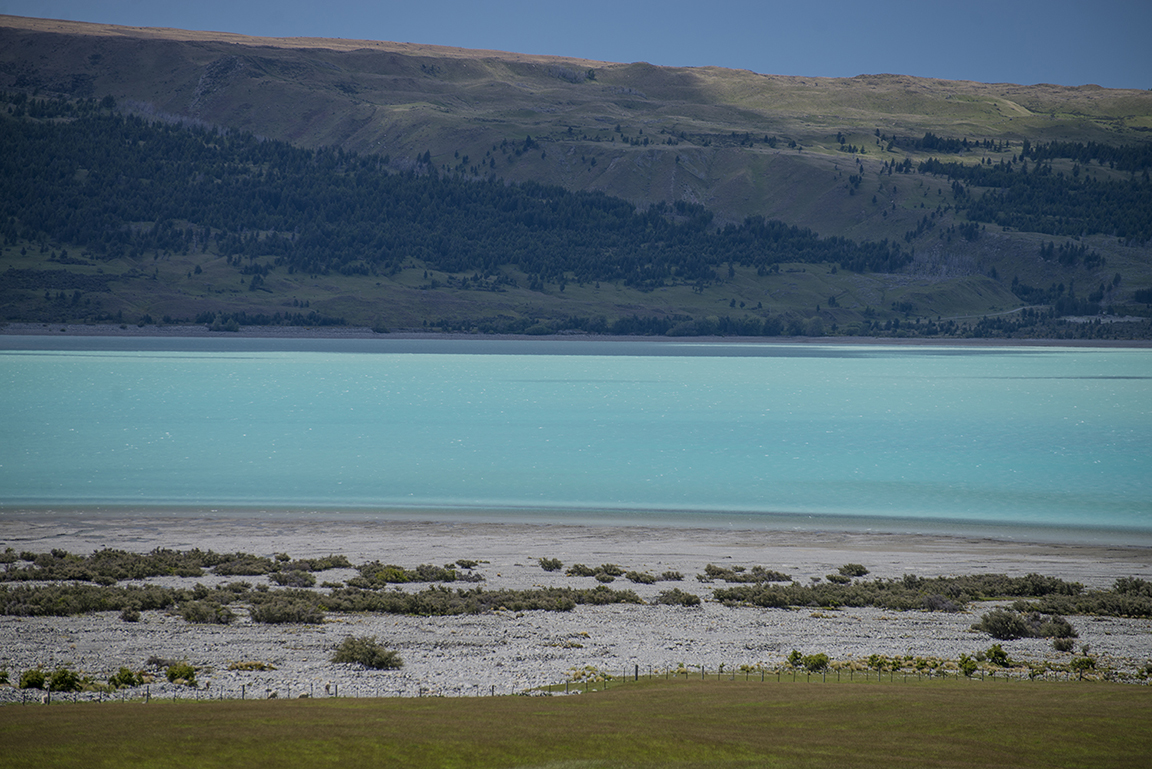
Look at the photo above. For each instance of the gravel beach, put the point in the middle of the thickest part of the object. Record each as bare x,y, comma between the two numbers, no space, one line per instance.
504,651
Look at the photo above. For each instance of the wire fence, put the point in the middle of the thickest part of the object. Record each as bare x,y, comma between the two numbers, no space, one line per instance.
585,681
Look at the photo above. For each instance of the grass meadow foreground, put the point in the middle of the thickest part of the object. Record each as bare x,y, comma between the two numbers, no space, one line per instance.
679,723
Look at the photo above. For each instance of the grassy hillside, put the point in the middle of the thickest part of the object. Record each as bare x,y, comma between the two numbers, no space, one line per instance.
737,142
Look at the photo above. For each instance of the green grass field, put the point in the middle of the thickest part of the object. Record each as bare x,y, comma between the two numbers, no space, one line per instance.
682,723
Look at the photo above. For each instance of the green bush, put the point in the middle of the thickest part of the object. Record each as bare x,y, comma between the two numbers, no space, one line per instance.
206,613
1003,625
123,679
853,570
181,671
815,663
1063,644
366,651
293,578
997,656
641,578
677,597
671,576
65,680
551,564
602,576
286,607
33,679
1081,665
757,574
130,614
580,570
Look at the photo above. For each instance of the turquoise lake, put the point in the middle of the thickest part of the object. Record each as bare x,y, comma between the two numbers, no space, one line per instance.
1029,442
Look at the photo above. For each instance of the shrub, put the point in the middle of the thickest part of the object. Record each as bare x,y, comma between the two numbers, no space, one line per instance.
1006,625
671,576
814,663
838,579
551,564
181,672
124,678
33,679
1057,627
997,656
65,680
968,666
1082,664
853,570
610,569
280,608
366,651
1003,625
603,576
1063,644
465,563
206,613
756,574
937,602
130,614
580,570
292,578
677,597
641,578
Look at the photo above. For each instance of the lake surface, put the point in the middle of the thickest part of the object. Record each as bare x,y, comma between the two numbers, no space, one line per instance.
1017,442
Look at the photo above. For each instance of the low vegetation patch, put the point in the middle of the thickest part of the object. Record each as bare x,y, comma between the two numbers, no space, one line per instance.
1005,625
906,594
286,607
376,575
181,673
293,578
677,597
206,612
756,574
251,666
367,652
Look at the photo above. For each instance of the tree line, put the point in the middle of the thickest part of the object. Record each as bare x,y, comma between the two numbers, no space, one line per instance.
122,186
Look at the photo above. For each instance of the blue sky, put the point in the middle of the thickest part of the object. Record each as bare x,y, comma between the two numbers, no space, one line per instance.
1106,42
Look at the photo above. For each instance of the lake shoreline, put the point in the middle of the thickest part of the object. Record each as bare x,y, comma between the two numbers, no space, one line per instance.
344,332
505,651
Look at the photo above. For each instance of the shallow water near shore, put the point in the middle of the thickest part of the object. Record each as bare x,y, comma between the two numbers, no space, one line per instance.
1019,443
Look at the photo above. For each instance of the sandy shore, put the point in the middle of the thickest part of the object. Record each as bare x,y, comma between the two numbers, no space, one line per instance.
506,651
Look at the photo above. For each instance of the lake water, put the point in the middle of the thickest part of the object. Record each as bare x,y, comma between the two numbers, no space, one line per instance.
1018,442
